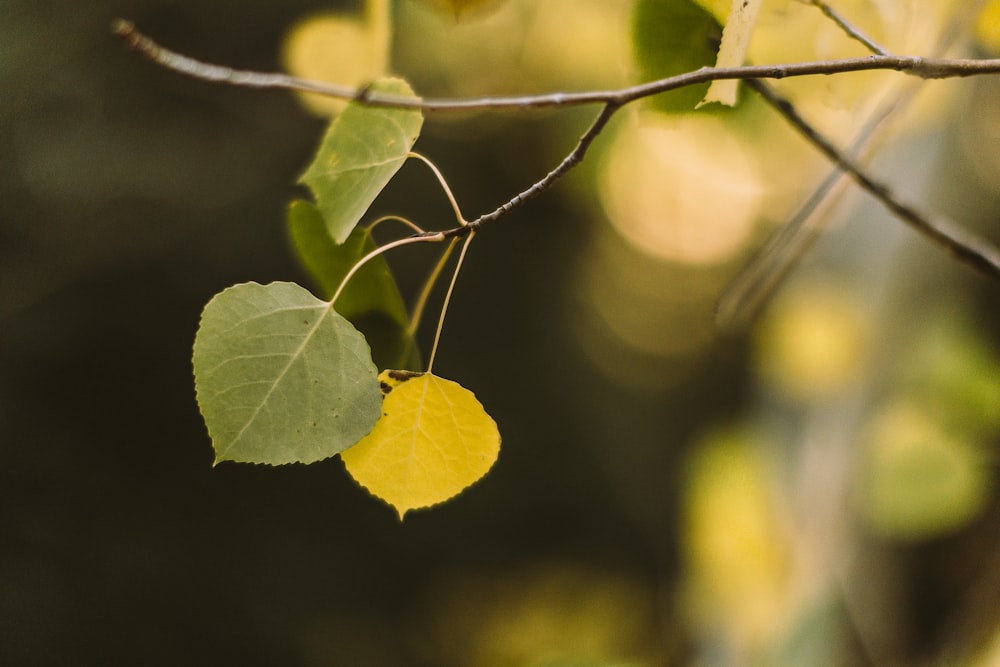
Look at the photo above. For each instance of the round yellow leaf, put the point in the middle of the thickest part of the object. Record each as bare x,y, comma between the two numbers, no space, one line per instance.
434,439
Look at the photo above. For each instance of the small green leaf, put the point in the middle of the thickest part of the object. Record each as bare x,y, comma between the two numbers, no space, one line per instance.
673,37
434,439
371,301
281,377
362,150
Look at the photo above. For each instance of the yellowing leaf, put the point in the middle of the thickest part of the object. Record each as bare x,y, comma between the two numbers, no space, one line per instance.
459,7
733,50
338,48
434,439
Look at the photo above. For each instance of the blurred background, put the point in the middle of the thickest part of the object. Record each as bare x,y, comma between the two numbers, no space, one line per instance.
814,487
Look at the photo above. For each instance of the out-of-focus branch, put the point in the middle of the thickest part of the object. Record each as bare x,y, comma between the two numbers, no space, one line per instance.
962,244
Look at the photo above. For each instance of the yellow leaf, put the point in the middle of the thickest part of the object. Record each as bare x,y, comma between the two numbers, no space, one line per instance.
434,439
733,50
343,49
459,7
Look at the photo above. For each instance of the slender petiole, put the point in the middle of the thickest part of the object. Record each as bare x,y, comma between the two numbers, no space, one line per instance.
425,292
426,238
444,186
447,300
398,218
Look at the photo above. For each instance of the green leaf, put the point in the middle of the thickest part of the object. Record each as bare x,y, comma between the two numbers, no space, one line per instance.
371,301
362,150
673,37
281,377
434,439
920,479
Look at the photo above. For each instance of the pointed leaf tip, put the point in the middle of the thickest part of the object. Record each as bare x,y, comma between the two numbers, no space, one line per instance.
434,439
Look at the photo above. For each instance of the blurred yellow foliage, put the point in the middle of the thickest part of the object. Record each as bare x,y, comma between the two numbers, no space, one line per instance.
737,550
813,342
347,50
988,26
458,8
521,46
681,188
547,615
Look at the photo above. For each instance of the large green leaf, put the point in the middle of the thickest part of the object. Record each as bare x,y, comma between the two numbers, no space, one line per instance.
281,377
673,37
362,150
371,300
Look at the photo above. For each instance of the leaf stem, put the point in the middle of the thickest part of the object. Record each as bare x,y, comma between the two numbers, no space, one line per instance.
447,299
425,292
420,238
398,218
444,186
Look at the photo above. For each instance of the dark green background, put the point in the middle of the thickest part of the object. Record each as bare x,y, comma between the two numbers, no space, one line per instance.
128,197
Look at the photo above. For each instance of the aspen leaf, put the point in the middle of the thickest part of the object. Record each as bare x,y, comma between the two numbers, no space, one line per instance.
362,150
434,439
371,300
671,38
281,377
733,50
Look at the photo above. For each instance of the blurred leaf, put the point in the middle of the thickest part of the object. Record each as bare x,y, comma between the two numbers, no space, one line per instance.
343,49
813,342
737,551
954,373
673,37
733,50
371,300
458,8
281,377
434,439
988,27
920,481
362,150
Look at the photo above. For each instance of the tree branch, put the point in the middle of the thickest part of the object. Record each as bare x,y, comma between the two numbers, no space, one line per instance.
927,68
850,29
966,247
963,245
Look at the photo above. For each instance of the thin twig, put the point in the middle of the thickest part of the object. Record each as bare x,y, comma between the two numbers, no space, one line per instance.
852,31
757,279
574,158
927,68
425,291
963,245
